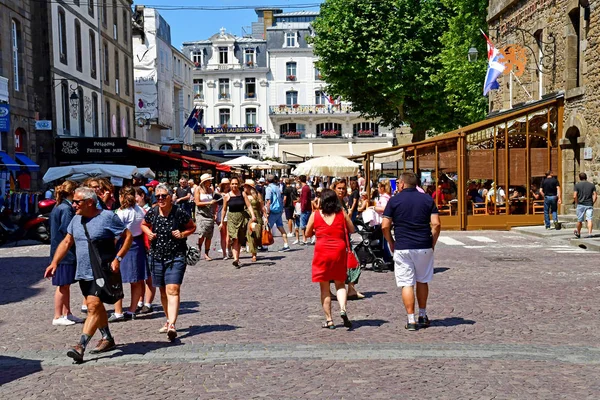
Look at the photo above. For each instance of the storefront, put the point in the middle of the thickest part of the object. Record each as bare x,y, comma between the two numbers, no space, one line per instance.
506,154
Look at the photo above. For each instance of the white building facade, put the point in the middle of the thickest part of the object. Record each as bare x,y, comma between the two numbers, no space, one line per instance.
230,86
182,99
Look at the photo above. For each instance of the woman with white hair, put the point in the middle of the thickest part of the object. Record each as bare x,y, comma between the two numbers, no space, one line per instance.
205,215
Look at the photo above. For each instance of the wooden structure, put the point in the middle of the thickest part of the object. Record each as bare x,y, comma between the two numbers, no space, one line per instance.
509,152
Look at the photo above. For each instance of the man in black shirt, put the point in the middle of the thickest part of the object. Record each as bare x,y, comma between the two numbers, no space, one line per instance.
552,197
584,196
183,195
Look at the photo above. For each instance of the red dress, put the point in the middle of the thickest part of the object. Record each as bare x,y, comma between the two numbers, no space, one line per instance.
329,260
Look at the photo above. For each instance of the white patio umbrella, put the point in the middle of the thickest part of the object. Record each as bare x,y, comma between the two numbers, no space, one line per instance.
244,161
328,166
271,165
83,171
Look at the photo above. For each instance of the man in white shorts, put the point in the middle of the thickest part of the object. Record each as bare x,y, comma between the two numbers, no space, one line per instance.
416,229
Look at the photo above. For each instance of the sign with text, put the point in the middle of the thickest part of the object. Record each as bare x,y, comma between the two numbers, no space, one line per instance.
43,125
4,118
90,149
244,129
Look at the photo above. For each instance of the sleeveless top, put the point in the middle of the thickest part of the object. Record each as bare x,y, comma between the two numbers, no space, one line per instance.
236,203
206,211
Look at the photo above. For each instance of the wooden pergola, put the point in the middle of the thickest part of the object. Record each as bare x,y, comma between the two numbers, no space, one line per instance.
508,151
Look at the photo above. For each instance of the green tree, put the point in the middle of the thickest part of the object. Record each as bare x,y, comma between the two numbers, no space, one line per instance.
386,57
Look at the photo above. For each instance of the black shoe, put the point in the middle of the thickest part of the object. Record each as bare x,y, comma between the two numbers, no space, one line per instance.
146,310
128,315
424,322
76,353
411,327
347,322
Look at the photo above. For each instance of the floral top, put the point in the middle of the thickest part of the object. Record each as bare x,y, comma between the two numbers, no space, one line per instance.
165,246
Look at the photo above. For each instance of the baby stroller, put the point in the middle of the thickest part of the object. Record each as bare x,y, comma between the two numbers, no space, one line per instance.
369,249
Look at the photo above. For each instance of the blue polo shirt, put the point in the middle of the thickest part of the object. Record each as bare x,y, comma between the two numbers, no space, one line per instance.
410,212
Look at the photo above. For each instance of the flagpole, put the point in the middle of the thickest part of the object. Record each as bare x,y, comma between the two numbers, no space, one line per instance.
512,73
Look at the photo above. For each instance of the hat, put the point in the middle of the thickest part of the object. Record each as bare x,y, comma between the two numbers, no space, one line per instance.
205,177
224,181
254,227
154,183
261,180
249,182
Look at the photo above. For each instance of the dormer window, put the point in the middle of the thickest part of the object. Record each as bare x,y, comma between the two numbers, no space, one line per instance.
249,59
291,39
197,58
223,55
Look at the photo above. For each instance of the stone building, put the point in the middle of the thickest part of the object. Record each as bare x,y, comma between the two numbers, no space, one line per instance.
116,53
554,47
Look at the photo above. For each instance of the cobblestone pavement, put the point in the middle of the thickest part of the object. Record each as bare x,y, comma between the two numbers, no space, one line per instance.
513,317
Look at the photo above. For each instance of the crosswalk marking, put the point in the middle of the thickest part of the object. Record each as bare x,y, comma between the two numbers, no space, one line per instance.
450,241
474,247
482,239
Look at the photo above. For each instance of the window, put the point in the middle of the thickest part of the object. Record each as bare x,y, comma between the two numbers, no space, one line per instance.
119,123
115,20
91,8
329,129
126,133
538,36
92,47
290,70
250,88
197,58
76,2
106,61
250,117
125,25
290,39
292,130
574,50
126,60
78,48
291,98
107,121
223,56
198,89
225,146
317,74
62,36
249,57
224,116
66,118
365,129
223,89
95,132
117,73
104,12
253,149
15,44
81,111
320,97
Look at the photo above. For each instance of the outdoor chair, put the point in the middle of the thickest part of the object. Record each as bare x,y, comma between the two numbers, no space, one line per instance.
538,207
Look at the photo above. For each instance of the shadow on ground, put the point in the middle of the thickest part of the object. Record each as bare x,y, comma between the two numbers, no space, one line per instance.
12,368
18,275
452,321
194,330
439,270
359,323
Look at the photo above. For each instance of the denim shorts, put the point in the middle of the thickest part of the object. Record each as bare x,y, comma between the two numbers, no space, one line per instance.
304,217
275,219
584,212
167,272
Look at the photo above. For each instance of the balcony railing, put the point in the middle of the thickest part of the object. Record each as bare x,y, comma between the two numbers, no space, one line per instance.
292,135
224,96
250,95
199,96
310,109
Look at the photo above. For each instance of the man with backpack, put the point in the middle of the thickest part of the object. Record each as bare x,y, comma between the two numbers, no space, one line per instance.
274,209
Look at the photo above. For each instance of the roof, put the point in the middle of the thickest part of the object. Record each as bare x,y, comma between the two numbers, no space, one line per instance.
297,14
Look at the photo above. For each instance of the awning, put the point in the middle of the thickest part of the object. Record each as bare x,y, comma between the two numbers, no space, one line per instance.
189,159
33,167
7,162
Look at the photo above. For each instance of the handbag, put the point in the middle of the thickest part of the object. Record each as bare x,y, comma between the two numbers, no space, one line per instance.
267,237
108,284
352,264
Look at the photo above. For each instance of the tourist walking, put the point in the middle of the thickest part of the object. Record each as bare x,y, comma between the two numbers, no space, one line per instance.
221,193
205,214
274,209
550,189
133,266
414,217
167,227
290,195
305,207
192,185
234,206
254,235
145,302
183,194
584,196
101,226
60,218
331,225
353,200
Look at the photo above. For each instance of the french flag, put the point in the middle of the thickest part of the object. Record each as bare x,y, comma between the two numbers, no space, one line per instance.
495,67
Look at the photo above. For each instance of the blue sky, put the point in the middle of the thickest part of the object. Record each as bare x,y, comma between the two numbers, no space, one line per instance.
189,25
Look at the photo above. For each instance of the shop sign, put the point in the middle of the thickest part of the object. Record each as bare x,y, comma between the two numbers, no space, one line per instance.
90,149
4,118
19,140
44,125
243,129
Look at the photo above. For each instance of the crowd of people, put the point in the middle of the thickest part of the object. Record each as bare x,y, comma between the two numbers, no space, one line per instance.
141,234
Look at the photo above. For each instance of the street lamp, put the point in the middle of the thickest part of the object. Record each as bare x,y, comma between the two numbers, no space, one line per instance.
74,97
472,54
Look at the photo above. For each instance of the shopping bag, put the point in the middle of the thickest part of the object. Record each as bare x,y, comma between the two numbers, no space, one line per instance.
267,238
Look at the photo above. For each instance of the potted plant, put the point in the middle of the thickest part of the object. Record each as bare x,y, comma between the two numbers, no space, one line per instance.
224,126
291,77
224,95
196,64
296,105
250,95
250,63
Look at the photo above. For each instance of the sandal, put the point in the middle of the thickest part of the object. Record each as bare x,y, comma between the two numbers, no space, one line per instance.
328,324
236,264
253,258
347,322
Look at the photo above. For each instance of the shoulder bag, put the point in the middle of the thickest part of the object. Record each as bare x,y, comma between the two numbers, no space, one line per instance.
108,284
352,263
192,254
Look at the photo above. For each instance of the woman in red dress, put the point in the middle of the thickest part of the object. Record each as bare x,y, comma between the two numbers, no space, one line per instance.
329,262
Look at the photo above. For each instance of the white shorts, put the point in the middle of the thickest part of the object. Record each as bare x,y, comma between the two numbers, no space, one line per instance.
411,266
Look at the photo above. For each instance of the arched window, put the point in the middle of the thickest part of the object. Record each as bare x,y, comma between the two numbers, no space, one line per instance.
365,129
329,129
200,146
253,149
226,146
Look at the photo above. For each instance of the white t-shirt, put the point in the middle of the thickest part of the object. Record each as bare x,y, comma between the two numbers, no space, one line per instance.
132,219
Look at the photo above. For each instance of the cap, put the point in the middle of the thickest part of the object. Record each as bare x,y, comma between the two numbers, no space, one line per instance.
261,180
153,183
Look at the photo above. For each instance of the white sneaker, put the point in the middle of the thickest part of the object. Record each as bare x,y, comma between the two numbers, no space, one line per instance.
313,240
75,319
290,234
295,242
62,321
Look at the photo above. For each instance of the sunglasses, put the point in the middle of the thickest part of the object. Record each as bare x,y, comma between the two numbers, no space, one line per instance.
162,196
78,201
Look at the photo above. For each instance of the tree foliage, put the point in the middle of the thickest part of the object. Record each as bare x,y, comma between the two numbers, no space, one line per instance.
387,58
